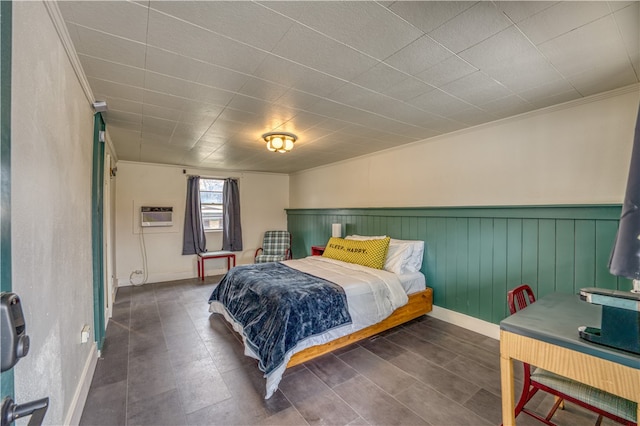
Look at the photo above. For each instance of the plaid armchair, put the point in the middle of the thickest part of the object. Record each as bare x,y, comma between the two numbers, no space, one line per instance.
276,246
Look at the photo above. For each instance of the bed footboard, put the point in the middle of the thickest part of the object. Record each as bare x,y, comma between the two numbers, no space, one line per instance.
419,304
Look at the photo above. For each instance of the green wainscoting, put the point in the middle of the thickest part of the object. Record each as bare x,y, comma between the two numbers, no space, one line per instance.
473,255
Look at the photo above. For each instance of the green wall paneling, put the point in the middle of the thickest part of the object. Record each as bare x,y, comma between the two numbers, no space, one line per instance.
473,255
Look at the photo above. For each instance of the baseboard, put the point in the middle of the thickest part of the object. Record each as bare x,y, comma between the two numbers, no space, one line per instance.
82,391
157,278
465,321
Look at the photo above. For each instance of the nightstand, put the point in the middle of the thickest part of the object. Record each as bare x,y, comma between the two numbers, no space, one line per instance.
317,250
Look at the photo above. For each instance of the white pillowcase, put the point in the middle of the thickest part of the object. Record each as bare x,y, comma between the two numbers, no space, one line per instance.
403,256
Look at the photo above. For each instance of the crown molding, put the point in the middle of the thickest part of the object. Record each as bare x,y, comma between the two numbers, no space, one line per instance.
69,48
65,38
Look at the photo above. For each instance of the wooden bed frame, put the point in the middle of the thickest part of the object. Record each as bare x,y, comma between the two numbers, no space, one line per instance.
419,304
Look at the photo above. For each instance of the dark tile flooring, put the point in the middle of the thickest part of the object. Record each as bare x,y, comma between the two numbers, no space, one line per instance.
167,361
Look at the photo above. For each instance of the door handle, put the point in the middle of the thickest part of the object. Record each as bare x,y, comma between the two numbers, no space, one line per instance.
12,411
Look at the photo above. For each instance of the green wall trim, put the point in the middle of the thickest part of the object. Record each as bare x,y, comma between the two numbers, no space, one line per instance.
604,211
473,255
6,13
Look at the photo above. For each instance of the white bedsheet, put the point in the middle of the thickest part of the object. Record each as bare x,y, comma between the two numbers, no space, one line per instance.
372,295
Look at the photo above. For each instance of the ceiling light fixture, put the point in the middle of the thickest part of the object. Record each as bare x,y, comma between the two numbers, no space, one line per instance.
279,141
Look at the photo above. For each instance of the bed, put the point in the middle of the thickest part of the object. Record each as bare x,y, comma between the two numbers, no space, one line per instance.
293,311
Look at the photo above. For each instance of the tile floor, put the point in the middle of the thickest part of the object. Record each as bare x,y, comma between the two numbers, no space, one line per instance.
167,361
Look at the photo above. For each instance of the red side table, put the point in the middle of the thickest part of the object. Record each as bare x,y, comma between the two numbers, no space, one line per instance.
317,250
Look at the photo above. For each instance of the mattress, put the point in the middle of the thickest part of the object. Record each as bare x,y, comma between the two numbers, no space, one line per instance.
413,282
372,295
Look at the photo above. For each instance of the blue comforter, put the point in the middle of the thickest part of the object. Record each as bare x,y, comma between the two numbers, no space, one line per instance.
279,306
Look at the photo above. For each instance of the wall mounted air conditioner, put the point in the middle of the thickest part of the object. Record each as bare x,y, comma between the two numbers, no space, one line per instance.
156,216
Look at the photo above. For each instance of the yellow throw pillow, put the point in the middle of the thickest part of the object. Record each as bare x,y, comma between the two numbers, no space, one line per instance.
371,253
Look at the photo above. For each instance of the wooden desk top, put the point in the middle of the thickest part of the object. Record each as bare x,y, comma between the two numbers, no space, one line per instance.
555,319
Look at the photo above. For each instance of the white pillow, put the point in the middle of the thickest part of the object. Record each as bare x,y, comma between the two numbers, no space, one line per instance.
416,253
403,256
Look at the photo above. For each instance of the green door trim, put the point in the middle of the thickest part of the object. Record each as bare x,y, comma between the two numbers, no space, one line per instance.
97,215
6,379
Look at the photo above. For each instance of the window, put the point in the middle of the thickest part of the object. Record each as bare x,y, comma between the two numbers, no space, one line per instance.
211,203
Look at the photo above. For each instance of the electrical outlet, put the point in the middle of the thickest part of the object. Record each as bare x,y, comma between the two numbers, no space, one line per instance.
84,334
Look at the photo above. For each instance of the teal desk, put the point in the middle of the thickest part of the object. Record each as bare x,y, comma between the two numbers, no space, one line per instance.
545,334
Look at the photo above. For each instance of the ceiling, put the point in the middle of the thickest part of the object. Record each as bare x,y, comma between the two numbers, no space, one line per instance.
197,83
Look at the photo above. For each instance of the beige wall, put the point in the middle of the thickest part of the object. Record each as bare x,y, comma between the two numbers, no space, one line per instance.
263,200
577,153
52,137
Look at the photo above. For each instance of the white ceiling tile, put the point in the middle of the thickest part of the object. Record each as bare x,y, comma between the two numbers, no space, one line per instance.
446,71
187,134
429,15
243,21
262,89
418,56
359,26
586,47
183,88
297,99
131,126
402,112
155,111
183,38
248,104
562,18
220,77
316,51
163,155
475,24
290,74
473,116
628,20
591,81
217,85
520,10
380,77
173,64
119,116
164,100
511,59
509,105
476,89
408,89
237,115
128,126
556,98
116,90
200,119
357,96
157,126
439,103
126,143
618,4
441,125
111,71
122,105
498,49
546,90
109,47
522,73
122,19
328,108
